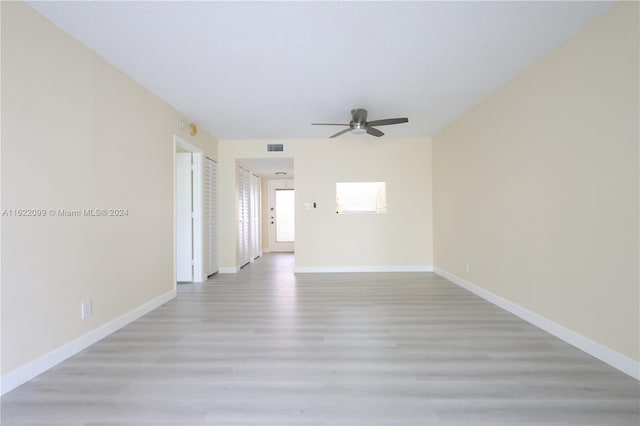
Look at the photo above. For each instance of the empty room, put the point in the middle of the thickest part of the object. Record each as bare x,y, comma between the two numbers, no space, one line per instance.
320,213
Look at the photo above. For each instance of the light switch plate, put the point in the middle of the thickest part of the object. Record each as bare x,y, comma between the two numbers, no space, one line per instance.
86,309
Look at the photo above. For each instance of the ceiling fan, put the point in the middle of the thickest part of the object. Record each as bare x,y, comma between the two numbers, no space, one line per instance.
359,124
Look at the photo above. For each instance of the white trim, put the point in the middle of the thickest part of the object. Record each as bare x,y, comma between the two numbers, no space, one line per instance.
228,270
393,268
593,348
27,372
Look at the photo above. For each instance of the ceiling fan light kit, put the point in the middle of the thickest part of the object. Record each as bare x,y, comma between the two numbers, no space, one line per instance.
359,124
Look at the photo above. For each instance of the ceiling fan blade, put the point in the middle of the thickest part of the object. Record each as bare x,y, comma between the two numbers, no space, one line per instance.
374,132
341,132
329,124
387,121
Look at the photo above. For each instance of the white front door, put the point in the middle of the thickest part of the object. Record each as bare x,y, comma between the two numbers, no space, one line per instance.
281,215
184,218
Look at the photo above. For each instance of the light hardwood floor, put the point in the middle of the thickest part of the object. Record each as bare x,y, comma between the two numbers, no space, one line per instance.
265,347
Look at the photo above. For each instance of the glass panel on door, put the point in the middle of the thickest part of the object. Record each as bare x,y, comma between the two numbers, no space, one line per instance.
285,225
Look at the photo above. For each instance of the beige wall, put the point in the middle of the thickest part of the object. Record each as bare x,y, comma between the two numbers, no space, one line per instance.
537,187
77,133
402,237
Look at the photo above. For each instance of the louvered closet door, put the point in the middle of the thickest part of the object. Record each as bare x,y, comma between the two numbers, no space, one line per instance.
214,216
255,216
210,218
244,218
240,198
247,219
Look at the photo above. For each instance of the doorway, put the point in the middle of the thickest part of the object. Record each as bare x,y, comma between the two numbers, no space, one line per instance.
281,215
187,212
272,170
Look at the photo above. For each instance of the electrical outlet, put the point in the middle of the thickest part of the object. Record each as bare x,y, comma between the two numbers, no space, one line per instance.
86,309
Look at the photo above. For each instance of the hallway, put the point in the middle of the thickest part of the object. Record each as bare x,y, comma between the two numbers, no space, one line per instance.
267,347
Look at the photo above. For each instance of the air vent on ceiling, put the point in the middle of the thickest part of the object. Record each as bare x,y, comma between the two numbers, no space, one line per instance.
275,147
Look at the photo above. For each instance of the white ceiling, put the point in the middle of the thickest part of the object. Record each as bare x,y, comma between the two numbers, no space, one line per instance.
268,69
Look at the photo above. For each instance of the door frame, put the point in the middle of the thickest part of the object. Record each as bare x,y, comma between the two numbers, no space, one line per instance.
197,168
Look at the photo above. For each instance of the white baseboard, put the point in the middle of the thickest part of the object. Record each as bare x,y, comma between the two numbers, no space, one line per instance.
228,270
27,372
595,349
393,268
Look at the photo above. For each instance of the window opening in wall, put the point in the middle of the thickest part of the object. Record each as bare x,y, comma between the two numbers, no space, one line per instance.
361,197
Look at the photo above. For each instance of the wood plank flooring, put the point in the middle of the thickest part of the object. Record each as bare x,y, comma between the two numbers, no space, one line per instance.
267,347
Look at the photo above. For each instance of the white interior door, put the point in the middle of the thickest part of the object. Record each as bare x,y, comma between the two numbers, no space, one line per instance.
184,218
281,215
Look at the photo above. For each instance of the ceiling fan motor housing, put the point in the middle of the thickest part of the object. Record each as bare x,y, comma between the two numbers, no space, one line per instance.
359,116
358,123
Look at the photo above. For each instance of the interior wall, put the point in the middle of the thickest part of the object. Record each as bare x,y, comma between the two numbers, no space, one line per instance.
400,238
536,188
79,134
